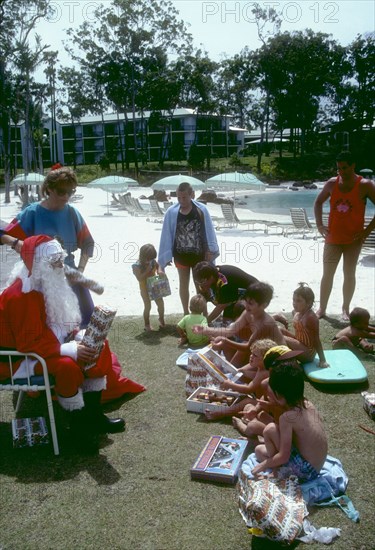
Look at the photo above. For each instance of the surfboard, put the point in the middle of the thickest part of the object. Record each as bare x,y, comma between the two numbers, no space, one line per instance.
345,368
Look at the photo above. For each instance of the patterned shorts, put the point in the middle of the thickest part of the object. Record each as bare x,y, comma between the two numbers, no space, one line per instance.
298,466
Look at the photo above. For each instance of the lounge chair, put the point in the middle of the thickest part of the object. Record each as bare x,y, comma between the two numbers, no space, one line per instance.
232,220
301,223
138,209
124,203
166,205
155,211
369,243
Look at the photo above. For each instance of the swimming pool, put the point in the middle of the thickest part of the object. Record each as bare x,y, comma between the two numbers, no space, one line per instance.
279,202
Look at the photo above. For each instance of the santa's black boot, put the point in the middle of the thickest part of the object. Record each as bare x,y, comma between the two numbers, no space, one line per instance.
84,437
100,422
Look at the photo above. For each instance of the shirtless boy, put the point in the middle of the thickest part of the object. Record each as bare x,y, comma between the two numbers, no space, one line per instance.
297,443
356,334
262,325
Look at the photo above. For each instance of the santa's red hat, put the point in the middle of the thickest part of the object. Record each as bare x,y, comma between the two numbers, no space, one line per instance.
37,249
28,249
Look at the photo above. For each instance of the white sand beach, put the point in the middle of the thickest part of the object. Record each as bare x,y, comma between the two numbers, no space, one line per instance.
281,261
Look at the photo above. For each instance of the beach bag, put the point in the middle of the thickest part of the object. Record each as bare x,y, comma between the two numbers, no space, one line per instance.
158,287
331,481
272,508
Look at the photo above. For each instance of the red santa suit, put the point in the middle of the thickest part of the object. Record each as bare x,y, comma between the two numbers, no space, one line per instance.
27,326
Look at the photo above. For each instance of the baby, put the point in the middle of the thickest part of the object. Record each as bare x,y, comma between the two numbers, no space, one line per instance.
197,306
356,334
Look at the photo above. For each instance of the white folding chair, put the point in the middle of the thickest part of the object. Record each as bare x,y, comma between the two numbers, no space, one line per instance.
30,383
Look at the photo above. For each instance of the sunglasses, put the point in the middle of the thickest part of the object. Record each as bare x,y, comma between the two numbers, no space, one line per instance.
63,192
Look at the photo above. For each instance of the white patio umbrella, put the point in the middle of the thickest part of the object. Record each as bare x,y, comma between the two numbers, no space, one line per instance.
367,172
235,181
28,179
112,184
171,183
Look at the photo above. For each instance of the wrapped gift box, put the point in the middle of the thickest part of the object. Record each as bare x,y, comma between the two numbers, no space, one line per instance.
369,403
212,399
29,432
98,328
217,366
209,369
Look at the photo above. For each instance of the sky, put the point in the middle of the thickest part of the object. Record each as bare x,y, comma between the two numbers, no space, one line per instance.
223,28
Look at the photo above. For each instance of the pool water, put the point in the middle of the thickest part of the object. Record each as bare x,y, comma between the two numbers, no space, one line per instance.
279,202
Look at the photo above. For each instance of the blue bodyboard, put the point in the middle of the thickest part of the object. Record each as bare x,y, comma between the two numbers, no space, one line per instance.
345,368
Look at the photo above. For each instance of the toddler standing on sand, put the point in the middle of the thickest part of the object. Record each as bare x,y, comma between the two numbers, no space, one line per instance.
306,326
146,267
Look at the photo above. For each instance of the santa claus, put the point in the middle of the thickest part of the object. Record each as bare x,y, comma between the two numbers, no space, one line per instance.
39,313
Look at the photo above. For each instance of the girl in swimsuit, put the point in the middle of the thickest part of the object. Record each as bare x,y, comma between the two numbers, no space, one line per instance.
306,327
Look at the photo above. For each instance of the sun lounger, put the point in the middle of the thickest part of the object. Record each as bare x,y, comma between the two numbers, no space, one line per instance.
166,205
301,223
138,209
156,213
232,220
124,203
155,209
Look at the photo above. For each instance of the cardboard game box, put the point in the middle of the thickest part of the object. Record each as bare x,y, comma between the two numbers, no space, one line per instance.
218,367
98,328
220,459
212,399
28,432
369,403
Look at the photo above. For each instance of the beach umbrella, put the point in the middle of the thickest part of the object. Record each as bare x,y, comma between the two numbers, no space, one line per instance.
235,181
28,179
171,183
112,184
367,172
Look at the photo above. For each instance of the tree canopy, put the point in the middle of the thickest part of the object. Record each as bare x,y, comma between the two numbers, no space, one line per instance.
137,55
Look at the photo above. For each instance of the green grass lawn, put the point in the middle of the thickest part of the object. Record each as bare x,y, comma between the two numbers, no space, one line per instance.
137,493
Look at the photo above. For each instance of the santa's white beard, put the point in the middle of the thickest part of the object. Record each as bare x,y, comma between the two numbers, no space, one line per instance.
62,308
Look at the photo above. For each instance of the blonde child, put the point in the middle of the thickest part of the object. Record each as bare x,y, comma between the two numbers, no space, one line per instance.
145,267
296,444
260,412
356,334
306,327
258,350
184,327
